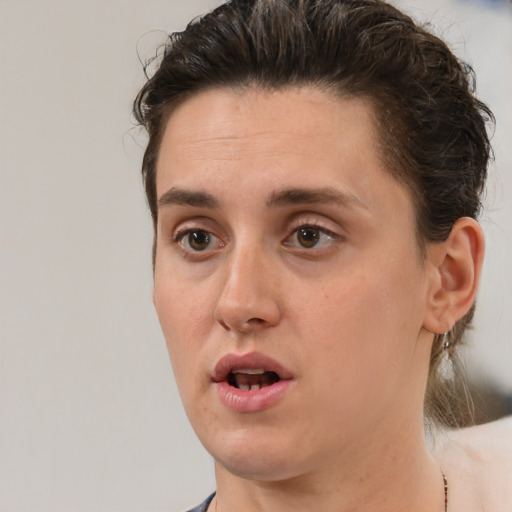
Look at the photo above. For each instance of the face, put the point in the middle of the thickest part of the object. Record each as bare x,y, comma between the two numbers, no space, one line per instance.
288,280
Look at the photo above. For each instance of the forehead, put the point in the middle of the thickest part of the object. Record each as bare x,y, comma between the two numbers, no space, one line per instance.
264,139
221,105
230,115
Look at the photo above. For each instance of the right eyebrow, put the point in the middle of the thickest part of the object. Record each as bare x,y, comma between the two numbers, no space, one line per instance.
184,197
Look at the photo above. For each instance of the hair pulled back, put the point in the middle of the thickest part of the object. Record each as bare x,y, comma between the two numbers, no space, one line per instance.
432,128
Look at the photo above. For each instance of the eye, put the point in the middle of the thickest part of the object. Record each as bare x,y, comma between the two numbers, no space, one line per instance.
197,240
309,237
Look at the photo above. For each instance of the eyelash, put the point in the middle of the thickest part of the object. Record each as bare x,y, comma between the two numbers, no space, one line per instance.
315,226
180,235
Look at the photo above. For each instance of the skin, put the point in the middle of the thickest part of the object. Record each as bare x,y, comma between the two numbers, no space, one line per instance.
479,458
351,317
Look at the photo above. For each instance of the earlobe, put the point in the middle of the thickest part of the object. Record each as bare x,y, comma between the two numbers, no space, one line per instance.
456,265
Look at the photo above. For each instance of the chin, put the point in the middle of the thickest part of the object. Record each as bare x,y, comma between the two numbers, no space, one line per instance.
262,469
253,457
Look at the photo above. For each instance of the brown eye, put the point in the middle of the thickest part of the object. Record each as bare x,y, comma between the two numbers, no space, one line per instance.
311,237
308,237
197,240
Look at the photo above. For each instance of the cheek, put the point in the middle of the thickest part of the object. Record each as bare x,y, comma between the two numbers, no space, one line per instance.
185,316
364,326
346,322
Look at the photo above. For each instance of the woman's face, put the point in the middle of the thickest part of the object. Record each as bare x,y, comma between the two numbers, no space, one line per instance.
288,281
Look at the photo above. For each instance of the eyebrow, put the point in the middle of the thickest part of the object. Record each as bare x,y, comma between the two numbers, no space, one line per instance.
179,196
286,197
313,195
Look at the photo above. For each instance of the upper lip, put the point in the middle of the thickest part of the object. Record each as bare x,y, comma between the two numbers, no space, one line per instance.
252,361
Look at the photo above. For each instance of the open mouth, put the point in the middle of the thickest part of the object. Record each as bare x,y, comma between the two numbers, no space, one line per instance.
249,379
251,382
248,372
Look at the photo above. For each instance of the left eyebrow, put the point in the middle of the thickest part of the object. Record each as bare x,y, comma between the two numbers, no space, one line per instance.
293,196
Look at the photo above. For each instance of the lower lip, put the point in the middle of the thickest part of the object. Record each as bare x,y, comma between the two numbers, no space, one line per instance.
239,400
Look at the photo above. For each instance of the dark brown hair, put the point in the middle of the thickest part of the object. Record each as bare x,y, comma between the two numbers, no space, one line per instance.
432,128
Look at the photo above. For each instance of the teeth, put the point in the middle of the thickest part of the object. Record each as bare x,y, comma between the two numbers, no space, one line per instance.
251,379
247,387
250,371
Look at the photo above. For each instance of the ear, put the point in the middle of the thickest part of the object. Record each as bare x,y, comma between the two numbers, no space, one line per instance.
455,267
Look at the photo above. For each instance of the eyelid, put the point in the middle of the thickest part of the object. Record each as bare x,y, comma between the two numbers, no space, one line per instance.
335,237
316,225
180,234
302,220
317,221
181,226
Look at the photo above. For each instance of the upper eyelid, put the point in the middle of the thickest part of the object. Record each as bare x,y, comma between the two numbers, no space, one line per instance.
197,224
331,234
324,226
312,217
179,234
314,225
294,222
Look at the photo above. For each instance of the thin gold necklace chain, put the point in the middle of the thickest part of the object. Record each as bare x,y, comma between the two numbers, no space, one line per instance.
445,483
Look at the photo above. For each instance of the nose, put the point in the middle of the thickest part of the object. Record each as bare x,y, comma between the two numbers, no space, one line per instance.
248,300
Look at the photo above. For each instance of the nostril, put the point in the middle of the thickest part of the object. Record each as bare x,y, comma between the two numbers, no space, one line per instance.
256,320
243,326
224,325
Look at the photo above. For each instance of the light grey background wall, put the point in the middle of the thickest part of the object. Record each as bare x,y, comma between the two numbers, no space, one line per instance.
90,418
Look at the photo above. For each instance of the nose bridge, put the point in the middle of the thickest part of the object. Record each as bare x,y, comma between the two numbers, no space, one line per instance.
248,295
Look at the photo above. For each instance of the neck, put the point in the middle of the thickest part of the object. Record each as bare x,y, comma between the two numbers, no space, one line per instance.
392,478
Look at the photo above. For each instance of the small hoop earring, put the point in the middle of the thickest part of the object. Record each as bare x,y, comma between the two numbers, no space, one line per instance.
446,341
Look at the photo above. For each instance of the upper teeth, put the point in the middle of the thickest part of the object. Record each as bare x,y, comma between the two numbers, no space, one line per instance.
250,371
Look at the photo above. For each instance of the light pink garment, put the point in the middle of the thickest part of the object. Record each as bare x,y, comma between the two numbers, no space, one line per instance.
478,464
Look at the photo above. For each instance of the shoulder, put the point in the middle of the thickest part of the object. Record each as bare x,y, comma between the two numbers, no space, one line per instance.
489,436
478,461
488,446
